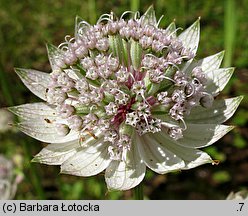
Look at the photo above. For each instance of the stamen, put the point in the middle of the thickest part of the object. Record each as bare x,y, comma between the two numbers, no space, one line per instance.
172,33
125,13
103,17
91,134
160,19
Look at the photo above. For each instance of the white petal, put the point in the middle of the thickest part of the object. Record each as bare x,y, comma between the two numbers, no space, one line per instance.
36,81
56,153
207,64
55,55
195,159
191,157
220,111
88,161
34,111
218,79
190,37
38,120
45,132
124,175
149,17
202,135
157,157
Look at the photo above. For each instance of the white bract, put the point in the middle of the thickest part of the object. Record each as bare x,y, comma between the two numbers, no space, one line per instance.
125,94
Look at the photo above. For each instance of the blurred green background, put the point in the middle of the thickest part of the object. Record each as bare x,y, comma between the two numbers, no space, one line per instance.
25,27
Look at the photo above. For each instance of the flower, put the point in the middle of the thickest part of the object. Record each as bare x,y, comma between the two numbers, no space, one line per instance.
9,179
126,94
240,195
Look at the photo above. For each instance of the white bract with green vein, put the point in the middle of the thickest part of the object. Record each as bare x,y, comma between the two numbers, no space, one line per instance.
125,94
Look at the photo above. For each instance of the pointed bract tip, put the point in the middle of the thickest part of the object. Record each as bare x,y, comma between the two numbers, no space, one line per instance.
222,53
151,7
35,160
18,70
240,98
78,18
197,22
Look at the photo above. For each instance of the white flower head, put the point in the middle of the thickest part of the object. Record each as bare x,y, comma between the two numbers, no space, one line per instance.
123,95
8,179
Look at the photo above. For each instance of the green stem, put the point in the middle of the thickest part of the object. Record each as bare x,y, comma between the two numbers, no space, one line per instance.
135,4
138,192
229,30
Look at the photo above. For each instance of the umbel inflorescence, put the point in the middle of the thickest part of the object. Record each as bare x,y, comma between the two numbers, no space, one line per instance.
125,94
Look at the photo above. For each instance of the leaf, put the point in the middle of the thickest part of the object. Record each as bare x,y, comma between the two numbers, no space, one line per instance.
191,36
220,111
118,48
36,81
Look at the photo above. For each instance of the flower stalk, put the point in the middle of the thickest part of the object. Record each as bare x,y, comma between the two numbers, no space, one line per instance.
139,192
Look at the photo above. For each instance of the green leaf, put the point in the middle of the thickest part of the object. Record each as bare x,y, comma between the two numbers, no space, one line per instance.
125,51
118,48
222,176
36,81
135,54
